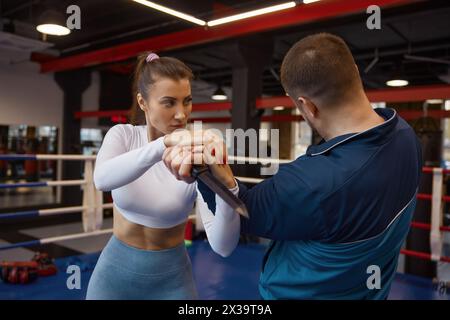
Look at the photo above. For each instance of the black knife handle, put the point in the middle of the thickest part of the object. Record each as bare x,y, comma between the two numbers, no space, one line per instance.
198,169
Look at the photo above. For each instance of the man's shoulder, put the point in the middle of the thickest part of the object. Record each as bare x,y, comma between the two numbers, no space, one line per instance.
312,171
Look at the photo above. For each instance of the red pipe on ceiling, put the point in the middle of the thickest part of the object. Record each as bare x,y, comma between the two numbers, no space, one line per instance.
391,95
273,118
409,94
298,15
405,114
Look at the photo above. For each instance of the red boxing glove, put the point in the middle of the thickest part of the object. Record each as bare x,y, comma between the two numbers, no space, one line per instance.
46,266
19,272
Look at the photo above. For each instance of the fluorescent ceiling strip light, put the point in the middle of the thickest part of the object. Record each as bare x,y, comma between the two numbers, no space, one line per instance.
435,101
253,13
171,12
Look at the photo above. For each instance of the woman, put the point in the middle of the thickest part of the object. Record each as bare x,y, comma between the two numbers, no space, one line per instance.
146,257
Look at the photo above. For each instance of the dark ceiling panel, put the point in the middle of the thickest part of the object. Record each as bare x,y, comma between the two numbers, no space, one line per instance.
423,27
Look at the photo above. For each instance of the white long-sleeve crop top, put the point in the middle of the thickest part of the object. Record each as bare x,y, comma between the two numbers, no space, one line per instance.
146,193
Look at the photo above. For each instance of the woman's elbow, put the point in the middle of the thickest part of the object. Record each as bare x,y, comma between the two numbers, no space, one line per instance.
99,182
222,251
100,187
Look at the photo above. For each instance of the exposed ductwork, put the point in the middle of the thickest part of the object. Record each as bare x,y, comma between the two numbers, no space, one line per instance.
14,42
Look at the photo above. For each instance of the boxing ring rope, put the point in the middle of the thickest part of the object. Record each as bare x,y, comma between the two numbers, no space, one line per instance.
66,157
422,255
91,208
74,236
92,203
39,242
62,183
427,226
92,199
47,212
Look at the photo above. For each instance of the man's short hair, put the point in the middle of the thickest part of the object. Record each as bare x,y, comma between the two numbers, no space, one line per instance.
320,67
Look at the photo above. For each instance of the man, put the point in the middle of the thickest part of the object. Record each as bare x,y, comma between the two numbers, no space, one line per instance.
339,214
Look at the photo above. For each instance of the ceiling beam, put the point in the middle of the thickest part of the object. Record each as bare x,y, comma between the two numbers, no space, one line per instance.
302,14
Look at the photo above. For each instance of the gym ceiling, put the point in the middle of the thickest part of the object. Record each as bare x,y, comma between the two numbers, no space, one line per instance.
414,39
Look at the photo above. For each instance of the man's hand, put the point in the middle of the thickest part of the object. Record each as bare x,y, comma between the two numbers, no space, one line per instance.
215,154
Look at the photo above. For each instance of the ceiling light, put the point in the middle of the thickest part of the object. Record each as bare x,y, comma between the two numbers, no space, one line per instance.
53,29
278,108
309,1
171,12
219,95
53,23
252,13
397,83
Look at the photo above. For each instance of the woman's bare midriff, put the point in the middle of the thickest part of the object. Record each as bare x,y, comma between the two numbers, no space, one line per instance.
146,238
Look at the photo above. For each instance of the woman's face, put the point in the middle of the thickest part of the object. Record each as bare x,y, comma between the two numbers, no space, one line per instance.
169,104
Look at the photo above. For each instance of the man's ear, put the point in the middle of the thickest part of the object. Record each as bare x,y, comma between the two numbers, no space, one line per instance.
141,102
308,107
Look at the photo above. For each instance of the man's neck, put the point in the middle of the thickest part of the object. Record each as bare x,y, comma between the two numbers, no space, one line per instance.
356,117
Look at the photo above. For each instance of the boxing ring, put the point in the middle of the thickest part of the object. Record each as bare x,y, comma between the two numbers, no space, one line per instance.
93,206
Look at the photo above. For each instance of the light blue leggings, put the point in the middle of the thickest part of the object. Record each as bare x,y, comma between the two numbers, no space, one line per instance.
127,273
